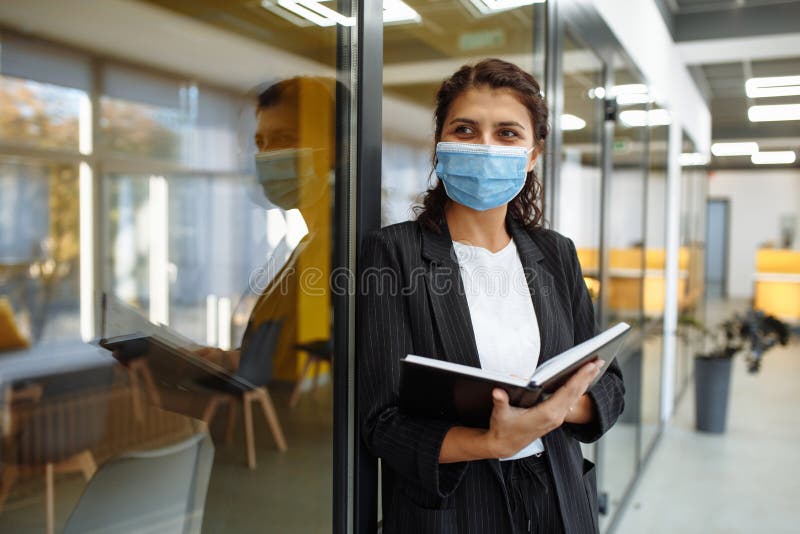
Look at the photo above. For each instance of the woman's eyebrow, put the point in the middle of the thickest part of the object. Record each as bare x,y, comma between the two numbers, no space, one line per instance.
497,124
463,119
510,123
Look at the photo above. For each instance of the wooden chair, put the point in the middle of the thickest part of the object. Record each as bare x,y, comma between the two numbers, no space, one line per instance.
255,367
139,373
53,423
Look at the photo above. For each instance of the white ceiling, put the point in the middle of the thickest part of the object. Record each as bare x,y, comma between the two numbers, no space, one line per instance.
734,49
146,35
155,37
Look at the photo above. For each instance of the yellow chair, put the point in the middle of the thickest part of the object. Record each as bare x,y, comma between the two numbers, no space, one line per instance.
10,336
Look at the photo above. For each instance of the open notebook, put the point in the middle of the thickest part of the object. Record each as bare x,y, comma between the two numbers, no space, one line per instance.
444,390
171,358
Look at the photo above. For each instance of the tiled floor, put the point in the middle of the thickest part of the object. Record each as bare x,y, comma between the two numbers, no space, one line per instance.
745,481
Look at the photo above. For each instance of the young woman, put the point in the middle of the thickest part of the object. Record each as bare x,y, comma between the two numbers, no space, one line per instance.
478,280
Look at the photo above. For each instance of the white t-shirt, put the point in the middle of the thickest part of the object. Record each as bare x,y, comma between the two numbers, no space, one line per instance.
502,313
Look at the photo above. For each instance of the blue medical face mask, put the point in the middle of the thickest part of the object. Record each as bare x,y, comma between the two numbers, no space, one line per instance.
283,173
481,177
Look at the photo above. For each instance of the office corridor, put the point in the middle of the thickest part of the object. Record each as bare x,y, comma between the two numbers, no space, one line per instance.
746,480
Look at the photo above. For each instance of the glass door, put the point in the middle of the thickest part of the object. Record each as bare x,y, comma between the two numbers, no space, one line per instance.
625,280
202,196
578,201
578,194
657,126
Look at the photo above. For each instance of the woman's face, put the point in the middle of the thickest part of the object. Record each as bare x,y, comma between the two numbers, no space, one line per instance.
488,116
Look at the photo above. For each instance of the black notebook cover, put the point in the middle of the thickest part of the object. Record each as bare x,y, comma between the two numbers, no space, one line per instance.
456,394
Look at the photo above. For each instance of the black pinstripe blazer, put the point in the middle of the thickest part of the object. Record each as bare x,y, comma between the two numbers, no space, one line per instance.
411,301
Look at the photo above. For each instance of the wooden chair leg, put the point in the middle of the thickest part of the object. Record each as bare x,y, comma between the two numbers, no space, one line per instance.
272,418
82,462
50,498
6,417
10,475
248,429
136,395
317,369
231,420
211,410
87,464
299,385
150,384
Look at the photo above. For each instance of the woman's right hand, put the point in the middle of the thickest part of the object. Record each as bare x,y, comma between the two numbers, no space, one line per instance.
511,428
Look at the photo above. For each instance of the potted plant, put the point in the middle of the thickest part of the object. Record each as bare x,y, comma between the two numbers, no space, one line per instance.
752,333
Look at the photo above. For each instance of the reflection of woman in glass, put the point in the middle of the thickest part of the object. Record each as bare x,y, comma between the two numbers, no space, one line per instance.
526,472
294,140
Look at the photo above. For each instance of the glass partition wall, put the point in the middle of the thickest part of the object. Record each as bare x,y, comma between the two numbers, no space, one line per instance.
578,195
626,278
199,195
691,304
197,168
654,277
579,192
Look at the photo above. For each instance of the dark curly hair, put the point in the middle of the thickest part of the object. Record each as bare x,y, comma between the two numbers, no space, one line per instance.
527,207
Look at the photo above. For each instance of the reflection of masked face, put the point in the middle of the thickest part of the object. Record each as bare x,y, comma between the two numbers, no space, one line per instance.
284,173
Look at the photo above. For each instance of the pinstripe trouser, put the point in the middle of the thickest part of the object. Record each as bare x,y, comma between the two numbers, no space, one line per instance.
534,504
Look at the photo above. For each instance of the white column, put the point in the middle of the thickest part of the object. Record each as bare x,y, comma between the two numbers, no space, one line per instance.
673,215
87,250
86,212
159,249
212,323
224,323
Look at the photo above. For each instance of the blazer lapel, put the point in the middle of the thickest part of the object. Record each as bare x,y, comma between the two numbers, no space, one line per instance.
541,286
449,303
447,298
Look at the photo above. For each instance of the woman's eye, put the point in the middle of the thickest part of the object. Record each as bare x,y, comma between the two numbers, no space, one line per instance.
508,133
466,130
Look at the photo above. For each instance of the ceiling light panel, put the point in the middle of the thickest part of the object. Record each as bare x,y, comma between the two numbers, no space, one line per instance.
774,113
632,93
313,11
572,122
631,99
636,118
398,12
773,86
628,89
778,157
734,149
494,6
306,12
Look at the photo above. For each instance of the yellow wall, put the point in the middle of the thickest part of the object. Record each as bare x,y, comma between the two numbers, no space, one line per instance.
777,261
780,296
626,287
314,265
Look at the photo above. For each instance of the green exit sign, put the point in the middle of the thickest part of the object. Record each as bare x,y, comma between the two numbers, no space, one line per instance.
483,39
